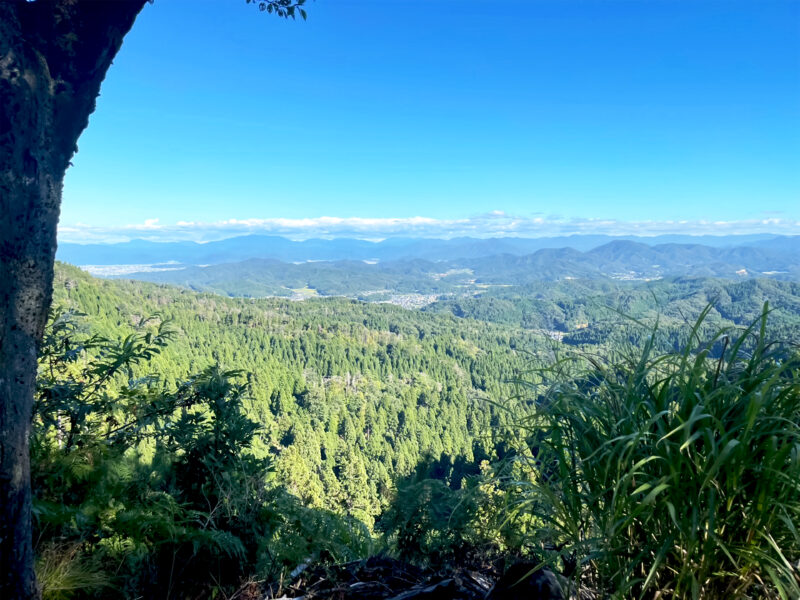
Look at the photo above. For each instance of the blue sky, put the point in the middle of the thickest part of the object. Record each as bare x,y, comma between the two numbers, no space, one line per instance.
445,117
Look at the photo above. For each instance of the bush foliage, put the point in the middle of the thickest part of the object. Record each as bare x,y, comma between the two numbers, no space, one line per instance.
669,475
144,489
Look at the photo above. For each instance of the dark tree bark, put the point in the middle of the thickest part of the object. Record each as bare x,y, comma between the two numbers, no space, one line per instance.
54,55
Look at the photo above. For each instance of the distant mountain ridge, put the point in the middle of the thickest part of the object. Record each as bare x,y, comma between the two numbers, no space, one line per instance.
617,260
242,248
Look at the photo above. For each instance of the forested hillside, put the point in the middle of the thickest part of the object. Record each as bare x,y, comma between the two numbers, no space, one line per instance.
197,442
606,313
351,396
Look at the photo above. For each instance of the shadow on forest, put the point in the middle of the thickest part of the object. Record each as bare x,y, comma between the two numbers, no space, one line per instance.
434,517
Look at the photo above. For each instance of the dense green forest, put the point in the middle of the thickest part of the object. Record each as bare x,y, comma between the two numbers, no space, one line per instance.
350,395
605,313
192,445
353,395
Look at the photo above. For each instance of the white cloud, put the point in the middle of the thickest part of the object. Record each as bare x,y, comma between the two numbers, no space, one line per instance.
493,224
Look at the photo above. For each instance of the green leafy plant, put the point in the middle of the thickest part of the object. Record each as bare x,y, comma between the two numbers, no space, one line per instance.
138,485
144,489
436,516
669,475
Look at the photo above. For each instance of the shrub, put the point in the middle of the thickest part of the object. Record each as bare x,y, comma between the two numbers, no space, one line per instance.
144,489
670,476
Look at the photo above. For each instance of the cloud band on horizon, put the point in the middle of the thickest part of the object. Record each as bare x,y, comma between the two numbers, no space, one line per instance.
493,224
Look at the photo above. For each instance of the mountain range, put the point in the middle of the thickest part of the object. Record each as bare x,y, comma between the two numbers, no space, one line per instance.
621,260
140,252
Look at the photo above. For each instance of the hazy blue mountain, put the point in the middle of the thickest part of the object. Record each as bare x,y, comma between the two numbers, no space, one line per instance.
780,244
236,249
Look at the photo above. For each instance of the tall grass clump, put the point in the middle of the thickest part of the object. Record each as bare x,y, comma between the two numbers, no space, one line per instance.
62,572
673,475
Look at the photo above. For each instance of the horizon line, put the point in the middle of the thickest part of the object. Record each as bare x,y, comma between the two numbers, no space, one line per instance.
495,224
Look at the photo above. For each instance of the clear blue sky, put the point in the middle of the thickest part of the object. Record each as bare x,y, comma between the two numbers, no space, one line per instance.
561,112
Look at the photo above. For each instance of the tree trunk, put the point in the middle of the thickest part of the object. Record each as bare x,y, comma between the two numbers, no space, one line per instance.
53,56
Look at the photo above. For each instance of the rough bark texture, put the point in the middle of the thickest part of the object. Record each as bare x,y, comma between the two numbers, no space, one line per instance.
53,57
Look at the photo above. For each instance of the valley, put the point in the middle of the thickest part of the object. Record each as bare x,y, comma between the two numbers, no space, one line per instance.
263,435
414,274
380,387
